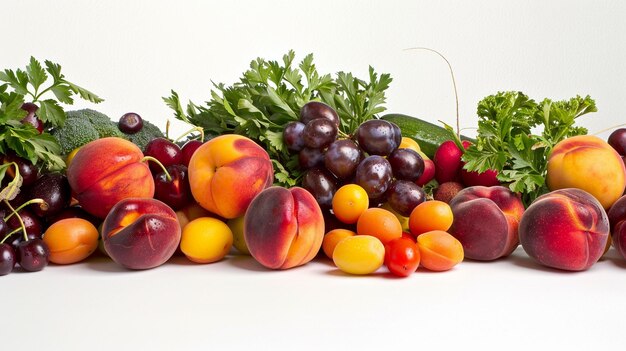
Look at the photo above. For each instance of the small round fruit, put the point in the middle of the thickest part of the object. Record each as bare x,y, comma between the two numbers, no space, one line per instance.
332,238
374,174
70,156
408,143
165,151
342,158
236,226
403,196
130,123
378,137
206,240
430,215
379,223
71,240
402,256
292,135
33,255
315,109
406,164
309,158
188,149
349,202
7,259
321,184
439,251
319,133
359,254
617,140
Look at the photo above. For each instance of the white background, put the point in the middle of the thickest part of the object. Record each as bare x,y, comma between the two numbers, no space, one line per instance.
133,53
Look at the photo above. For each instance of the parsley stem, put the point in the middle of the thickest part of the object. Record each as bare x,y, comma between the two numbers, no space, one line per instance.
456,95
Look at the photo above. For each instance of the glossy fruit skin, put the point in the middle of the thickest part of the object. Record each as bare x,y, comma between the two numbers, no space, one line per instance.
374,174
8,259
33,255
321,184
379,223
99,180
284,228
189,149
130,123
617,140
448,161
378,137
342,158
141,233
292,135
332,238
74,212
429,216
55,190
359,254
71,240
315,109
406,164
32,222
309,158
31,118
404,196
319,133
349,202
28,171
175,192
428,174
439,251
236,226
165,151
402,257
206,240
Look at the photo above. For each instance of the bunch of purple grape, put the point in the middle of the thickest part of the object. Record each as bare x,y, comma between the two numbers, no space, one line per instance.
370,157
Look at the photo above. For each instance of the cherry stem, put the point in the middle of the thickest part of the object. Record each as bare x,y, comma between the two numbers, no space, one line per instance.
343,134
609,128
456,95
194,129
9,234
19,218
167,129
44,206
150,158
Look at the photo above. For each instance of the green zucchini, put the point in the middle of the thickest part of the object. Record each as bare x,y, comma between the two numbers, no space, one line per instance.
428,135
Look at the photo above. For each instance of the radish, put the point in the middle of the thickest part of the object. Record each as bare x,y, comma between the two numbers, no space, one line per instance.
448,161
428,174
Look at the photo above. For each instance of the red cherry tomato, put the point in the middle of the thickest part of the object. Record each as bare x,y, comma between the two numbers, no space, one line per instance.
402,256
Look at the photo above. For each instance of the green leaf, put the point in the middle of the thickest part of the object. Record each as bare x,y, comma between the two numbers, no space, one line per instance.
36,73
11,108
18,80
84,93
50,112
63,94
174,103
54,70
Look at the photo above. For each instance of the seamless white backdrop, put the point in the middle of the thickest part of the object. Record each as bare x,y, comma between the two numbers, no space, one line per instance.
133,52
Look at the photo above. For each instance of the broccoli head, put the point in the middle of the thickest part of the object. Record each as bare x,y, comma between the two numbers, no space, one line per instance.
101,122
86,125
148,132
74,133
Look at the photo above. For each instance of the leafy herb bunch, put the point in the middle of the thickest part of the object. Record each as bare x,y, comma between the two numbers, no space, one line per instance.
517,134
20,86
270,94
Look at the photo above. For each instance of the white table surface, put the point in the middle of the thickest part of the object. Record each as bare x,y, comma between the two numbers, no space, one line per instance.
511,303
133,52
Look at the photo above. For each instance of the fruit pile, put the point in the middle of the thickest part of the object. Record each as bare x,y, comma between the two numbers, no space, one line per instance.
364,194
